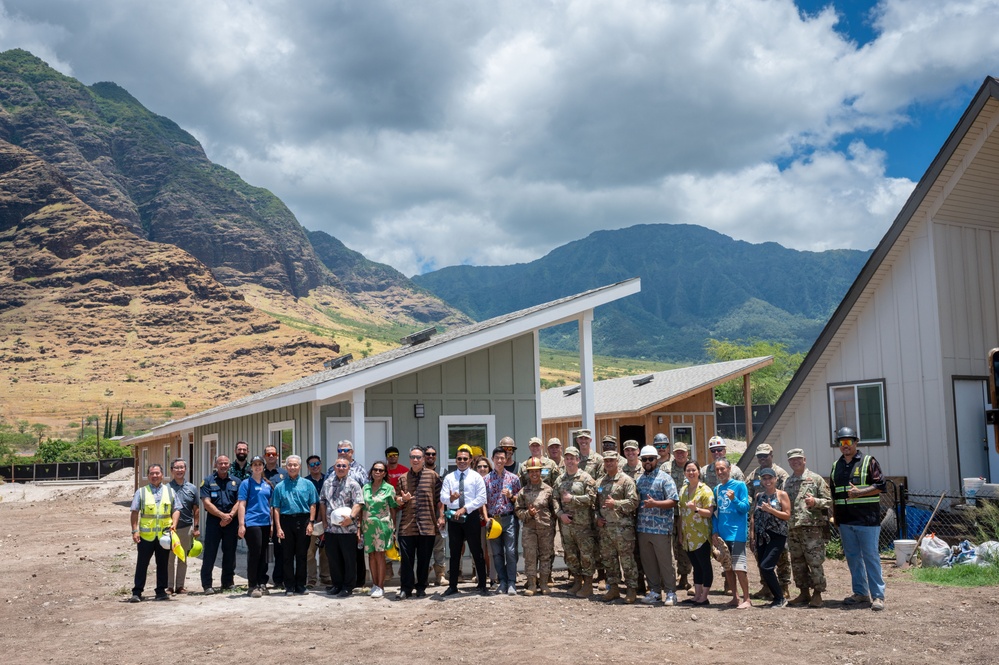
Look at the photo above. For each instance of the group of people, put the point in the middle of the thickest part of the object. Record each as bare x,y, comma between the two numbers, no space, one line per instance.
651,520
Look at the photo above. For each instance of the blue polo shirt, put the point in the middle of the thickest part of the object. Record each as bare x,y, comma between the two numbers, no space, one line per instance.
294,497
258,501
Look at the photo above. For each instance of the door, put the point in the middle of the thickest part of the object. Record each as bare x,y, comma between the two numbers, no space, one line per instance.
631,432
377,434
970,401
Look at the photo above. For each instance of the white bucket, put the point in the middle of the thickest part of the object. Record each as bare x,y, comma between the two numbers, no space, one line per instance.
903,552
971,487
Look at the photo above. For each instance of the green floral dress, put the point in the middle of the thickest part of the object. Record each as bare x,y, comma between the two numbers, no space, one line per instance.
378,524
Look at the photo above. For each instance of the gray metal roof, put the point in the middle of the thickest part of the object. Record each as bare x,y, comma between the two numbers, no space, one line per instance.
586,300
989,90
621,395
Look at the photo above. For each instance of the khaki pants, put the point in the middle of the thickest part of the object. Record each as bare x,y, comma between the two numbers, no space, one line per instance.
310,563
177,569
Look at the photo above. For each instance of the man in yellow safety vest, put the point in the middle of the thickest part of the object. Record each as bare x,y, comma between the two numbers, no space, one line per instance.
154,513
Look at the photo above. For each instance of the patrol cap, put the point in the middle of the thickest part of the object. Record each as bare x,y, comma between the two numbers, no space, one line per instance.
610,454
608,439
795,452
257,458
631,443
571,450
554,441
680,445
764,449
649,451
535,440
584,432
767,471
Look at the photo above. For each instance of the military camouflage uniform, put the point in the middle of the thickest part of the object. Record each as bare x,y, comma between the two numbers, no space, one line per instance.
549,472
632,472
808,529
710,478
680,558
578,537
538,532
617,536
593,465
754,486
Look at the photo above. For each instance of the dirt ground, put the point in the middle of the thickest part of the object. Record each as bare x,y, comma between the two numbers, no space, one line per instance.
66,566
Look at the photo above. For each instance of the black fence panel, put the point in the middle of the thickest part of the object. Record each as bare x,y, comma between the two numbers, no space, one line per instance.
109,466
23,472
6,472
45,471
69,470
89,470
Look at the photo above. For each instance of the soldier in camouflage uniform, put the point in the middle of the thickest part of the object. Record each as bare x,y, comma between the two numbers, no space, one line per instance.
675,470
808,528
577,496
617,501
632,465
535,507
591,462
718,449
765,458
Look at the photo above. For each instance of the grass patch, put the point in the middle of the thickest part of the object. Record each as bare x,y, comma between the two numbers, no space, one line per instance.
834,549
961,576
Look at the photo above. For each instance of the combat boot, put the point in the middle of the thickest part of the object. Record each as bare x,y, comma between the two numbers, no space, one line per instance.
684,584
801,599
785,590
613,593
543,588
816,600
762,594
586,588
577,584
631,596
532,587
439,572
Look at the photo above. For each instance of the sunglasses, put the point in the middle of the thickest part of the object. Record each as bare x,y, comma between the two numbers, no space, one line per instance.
270,454
481,467
392,455
341,466
378,471
431,454
649,459
462,459
416,457
345,450
314,464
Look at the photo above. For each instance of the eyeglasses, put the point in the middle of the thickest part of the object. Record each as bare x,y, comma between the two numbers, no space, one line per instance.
314,464
341,466
345,450
649,459
416,457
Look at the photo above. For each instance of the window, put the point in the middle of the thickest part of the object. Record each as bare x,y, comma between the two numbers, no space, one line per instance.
166,460
282,435
476,431
862,407
210,443
145,461
683,433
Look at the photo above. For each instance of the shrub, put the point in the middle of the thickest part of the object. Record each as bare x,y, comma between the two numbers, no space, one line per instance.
834,549
176,404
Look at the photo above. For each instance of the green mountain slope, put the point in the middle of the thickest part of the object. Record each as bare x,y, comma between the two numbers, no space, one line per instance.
696,283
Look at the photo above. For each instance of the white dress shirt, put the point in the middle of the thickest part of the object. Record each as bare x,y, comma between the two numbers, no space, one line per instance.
475,490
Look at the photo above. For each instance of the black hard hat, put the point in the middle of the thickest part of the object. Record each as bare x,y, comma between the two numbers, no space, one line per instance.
846,433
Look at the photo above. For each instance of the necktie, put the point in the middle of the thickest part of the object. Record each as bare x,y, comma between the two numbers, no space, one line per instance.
461,489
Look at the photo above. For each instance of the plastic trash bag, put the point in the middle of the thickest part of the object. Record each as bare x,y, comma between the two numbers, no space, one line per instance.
964,553
988,552
934,551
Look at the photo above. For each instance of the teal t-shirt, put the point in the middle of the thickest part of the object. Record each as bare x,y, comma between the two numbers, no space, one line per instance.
293,497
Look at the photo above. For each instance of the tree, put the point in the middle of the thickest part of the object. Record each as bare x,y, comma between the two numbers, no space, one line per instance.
107,423
40,429
22,426
766,384
119,428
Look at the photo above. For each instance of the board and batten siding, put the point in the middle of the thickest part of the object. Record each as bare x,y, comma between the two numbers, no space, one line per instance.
254,430
892,335
498,380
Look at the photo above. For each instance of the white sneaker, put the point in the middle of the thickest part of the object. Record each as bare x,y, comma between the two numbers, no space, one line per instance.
651,598
512,591
376,591
670,600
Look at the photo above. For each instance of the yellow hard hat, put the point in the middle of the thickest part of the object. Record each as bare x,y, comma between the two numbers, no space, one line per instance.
534,463
465,448
493,529
196,548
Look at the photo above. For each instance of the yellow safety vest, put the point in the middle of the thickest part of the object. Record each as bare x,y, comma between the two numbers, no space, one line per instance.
155,519
858,477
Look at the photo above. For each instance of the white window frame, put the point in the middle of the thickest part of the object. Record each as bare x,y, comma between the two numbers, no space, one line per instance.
145,462
835,424
445,421
166,459
280,427
210,444
693,432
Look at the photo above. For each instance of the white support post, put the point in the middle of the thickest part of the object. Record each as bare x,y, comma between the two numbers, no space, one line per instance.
316,428
586,370
357,425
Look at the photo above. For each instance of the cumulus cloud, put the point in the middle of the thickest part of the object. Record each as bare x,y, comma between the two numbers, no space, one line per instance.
433,133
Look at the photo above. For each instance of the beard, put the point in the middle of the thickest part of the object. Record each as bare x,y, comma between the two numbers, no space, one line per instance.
241,457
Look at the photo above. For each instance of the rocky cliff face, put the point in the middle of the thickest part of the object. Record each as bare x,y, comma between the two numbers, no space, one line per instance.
147,172
88,309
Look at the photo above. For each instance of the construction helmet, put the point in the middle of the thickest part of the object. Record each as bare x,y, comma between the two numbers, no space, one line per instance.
166,541
660,439
493,529
716,441
534,463
846,433
196,548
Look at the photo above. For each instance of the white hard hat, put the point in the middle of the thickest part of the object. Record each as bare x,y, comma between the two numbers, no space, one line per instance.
166,542
649,451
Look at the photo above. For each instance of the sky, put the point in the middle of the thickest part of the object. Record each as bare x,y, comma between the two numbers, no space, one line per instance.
427,134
